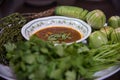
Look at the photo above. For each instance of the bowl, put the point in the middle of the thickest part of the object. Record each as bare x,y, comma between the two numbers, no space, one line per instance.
39,24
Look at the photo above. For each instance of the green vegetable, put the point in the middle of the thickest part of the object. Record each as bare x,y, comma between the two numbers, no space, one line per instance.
107,31
71,11
39,60
105,53
97,39
115,35
10,28
70,75
10,31
114,21
96,19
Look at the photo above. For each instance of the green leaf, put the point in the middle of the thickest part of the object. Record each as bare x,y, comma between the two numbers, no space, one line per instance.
60,50
56,74
70,75
10,46
29,59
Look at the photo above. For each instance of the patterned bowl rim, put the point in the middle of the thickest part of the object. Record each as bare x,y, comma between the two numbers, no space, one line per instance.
79,21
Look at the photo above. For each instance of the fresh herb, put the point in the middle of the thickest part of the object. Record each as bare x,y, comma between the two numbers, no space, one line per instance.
10,27
39,60
59,37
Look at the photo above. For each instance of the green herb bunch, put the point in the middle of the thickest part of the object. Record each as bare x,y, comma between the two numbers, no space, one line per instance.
39,60
10,31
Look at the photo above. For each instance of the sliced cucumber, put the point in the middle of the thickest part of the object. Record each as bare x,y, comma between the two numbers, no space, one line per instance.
71,11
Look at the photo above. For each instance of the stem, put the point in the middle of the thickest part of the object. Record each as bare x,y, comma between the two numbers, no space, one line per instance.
110,51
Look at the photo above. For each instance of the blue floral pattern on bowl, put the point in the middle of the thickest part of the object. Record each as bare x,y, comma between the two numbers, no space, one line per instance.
33,26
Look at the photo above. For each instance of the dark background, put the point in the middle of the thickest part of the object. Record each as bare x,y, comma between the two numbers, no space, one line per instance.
109,7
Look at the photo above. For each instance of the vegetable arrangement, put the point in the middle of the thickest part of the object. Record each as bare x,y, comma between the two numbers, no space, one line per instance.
39,60
10,28
11,25
95,18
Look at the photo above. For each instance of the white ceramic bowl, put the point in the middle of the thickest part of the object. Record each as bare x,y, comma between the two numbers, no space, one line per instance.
35,25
